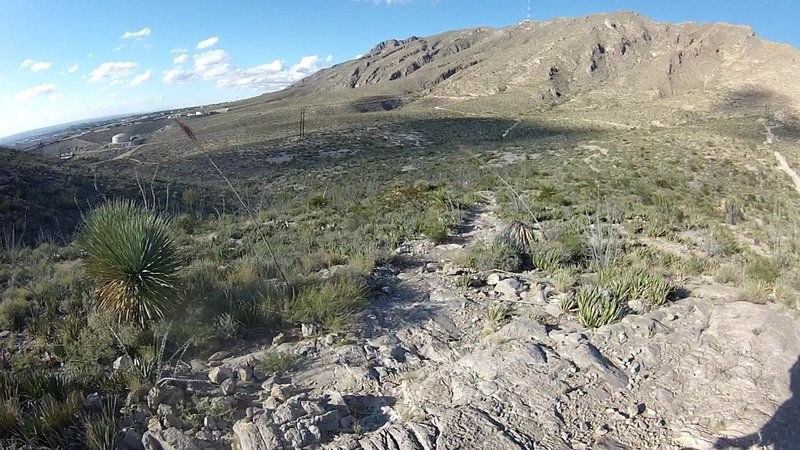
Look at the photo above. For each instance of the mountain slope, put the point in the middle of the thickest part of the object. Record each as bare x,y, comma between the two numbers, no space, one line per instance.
621,55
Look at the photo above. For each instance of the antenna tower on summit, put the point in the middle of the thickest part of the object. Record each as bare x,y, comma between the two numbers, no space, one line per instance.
529,10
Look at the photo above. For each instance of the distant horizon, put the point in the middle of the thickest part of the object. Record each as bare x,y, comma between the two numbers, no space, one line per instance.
76,67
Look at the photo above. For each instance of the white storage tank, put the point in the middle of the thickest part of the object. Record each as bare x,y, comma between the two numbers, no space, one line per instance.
122,138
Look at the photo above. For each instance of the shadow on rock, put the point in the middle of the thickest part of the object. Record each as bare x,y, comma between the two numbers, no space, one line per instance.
782,432
368,410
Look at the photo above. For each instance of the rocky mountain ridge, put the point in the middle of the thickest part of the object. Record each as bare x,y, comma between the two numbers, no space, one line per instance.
622,56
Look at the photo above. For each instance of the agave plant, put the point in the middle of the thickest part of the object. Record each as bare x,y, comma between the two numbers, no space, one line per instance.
519,236
597,308
132,260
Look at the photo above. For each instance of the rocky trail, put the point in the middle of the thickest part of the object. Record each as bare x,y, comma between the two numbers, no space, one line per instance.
424,370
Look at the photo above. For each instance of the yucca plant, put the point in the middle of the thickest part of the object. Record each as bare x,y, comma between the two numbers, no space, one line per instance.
132,259
596,308
519,236
568,304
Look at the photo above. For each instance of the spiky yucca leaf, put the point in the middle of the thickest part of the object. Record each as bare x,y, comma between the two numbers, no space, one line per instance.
597,308
519,236
132,260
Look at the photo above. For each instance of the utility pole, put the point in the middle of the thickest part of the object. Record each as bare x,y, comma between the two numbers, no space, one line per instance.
302,122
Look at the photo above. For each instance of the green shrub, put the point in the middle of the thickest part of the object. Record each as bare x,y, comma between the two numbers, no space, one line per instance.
596,309
728,274
762,269
277,363
14,312
435,230
102,430
132,260
317,201
497,315
564,279
546,260
495,256
331,302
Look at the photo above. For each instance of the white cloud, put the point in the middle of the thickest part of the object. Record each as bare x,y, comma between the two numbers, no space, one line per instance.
118,48
35,66
178,50
112,71
177,75
141,34
55,97
210,59
180,59
37,91
73,68
40,66
273,76
207,43
141,78
216,65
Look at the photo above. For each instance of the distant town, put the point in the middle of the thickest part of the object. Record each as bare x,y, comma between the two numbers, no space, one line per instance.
100,135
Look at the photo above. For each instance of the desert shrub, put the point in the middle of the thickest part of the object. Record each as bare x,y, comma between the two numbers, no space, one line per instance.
755,291
697,265
434,229
362,263
39,408
102,430
13,312
317,201
724,243
728,274
787,291
564,279
494,256
762,269
132,260
321,259
330,302
277,363
548,260
497,315
546,191
596,309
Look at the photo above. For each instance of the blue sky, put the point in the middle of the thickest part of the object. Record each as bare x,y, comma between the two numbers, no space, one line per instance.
62,61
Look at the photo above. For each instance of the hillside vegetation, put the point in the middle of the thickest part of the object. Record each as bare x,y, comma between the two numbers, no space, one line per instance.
624,162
